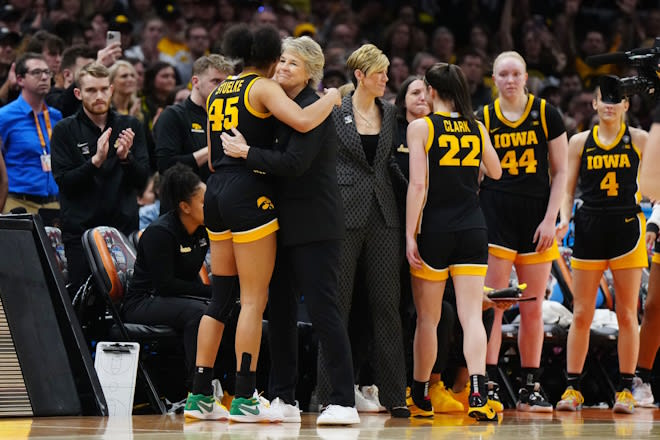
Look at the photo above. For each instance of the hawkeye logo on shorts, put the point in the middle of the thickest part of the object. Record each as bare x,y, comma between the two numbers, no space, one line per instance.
196,128
264,203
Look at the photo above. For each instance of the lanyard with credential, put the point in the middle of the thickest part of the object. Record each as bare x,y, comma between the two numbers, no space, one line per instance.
45,155
48,128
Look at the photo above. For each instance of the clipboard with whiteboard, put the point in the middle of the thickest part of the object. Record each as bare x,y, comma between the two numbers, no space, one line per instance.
116,366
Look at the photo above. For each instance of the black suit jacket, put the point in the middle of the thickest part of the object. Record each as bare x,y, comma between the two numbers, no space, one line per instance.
307,200
358,180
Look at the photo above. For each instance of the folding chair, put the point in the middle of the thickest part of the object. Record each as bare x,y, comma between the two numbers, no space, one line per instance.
55,236
111,259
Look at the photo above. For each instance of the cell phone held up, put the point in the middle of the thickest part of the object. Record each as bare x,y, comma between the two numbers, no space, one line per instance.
112,37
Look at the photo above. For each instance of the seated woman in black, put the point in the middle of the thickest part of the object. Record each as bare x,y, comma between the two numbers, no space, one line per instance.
169,256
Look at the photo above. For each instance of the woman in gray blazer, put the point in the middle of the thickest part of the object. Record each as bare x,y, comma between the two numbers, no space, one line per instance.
365,129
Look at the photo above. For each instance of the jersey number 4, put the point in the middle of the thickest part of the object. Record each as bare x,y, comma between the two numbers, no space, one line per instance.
609,184
223,114
526,161
454,144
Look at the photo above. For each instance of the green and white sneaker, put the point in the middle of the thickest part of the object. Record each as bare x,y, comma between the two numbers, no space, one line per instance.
253,410
201,407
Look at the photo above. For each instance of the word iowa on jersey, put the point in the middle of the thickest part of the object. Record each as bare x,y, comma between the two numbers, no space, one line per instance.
608,173
522,146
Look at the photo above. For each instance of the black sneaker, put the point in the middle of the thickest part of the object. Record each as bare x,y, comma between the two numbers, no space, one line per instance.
401,412
533,401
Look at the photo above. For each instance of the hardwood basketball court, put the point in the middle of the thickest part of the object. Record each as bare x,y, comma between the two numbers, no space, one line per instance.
599,424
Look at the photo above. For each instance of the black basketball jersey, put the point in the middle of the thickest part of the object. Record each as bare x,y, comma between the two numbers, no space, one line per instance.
453,151
522,147
608,173
228,107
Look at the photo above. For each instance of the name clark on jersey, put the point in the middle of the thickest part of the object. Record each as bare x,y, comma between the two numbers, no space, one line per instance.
229,87
516,139
456,126
609,161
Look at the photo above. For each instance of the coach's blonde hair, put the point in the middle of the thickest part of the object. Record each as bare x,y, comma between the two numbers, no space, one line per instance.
367,58
310,53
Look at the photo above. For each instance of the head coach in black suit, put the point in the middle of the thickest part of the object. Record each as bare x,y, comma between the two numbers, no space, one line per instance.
311,217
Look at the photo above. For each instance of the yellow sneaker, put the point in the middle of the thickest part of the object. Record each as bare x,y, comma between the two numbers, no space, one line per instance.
461,396
625,402
481,410
442,401
571,400
416,411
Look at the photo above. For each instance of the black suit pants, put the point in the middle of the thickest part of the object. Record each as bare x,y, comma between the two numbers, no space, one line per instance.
312,270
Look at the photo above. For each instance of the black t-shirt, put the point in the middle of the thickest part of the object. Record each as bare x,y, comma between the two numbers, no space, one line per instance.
169,259
401,155
369,145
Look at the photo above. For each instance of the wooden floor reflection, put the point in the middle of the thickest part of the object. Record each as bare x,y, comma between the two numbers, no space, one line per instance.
598,424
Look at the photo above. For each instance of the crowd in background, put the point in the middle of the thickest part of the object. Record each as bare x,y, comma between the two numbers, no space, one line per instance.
161,39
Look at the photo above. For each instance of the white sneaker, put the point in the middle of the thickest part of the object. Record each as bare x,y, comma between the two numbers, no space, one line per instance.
253,410
338,415
217,389
290,413
362,404
643,394
202,407
371,393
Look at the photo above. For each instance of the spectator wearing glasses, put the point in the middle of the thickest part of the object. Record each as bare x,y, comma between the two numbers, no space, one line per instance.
51,47
25,128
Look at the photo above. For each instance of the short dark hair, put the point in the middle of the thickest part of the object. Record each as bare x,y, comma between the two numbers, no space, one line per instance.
21,62
45,40
71,54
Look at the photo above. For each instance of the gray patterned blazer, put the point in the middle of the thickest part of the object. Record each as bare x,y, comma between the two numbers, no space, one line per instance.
357,179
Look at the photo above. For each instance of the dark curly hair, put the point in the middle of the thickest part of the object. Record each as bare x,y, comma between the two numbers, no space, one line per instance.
178,184
260,47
